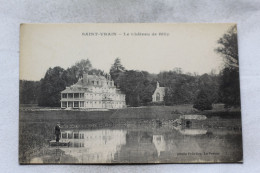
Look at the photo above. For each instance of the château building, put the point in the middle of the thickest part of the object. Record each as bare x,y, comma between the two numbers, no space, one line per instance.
93,91
159,93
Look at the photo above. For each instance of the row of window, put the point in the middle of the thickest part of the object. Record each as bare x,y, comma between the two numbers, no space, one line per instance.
81,95
72,136
110,83
109,90
77,104
99,102
103,95
74,104
73,95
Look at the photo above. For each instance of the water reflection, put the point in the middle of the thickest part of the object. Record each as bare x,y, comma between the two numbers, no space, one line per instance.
159,143
93,146
200,140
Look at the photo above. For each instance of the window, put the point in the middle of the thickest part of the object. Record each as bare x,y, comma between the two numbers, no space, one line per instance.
70,104
69,135
76,136
81,95
158,97
76,104
81,104
70,95
64,95
64,135
82,136
76,95
64,104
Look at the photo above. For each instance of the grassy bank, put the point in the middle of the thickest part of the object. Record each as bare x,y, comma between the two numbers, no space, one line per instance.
148,112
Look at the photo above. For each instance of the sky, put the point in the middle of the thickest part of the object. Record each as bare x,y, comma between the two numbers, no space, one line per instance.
149,47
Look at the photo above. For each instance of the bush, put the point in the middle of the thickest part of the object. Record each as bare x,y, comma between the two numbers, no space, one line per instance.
202,101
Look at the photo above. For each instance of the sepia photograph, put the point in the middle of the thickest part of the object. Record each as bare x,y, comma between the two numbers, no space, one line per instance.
143,93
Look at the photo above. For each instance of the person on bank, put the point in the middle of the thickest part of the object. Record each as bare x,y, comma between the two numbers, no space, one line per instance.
57,132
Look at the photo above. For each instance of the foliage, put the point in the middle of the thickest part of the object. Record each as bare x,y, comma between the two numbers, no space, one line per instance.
181,88
228,48
137,87
81,67
29,91
76,71
229,87
51,86
203,101
211,84
229,84
116,70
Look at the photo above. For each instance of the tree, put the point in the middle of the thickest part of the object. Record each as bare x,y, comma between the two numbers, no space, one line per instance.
229,85
228,48
116,70
117,66
29,91
147,91
51,86
211,84
137,87
181,88
203,101
82,66
76,71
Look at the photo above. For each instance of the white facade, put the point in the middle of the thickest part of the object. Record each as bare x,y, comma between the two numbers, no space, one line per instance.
159,93
93,91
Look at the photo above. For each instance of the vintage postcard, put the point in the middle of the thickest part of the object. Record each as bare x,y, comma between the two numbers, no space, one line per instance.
129,94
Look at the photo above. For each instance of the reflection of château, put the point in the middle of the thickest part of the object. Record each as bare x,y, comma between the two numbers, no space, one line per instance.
93,91
94,146
159,143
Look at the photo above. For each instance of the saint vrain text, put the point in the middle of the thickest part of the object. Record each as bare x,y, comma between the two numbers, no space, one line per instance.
126,34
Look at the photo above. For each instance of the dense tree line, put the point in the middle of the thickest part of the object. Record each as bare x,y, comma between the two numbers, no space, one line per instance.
29,92
139,86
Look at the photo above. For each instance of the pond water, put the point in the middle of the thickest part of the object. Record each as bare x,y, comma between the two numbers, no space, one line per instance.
152,141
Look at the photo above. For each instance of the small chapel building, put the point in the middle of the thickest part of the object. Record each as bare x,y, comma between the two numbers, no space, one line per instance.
159,93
